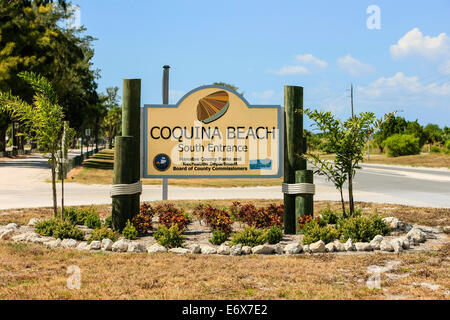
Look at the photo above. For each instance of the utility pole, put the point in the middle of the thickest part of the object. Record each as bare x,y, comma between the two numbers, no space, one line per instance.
165,98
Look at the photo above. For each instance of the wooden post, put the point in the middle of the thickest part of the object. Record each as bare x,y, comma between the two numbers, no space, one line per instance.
121,204
127,155
294,165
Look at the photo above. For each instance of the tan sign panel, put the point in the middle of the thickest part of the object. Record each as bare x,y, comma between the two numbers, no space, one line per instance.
212,132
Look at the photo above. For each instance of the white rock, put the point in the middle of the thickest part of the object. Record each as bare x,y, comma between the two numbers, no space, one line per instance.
236,250
194,248
136,247
246,250
39,239
363,246
207,249
339,246
375,245
83,245
385,245
263,249
278,248
330,247
107,244
53,244
6,234
293,248
95,245
378,238
417,235
179,250
33,222
12,226
397,245
392,222
317,247
349,246
306,249
223,249
405,243
69,243
120,246
154,248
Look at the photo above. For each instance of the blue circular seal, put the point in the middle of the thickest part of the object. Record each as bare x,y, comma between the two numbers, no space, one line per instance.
161,162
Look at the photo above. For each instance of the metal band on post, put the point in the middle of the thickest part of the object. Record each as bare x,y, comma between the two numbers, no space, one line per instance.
126,189
298,188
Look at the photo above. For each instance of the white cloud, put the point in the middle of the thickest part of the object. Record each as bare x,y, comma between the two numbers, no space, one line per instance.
401,87
265,95
355,67
415,43
310,59
305,64
445,68
289,70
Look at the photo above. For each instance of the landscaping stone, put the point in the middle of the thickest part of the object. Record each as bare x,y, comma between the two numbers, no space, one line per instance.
246,250
236,250
137,247
194,248
363,246
306,249
6,234
33,222
349,246
83,246
263,249
156,248
317,247
405,243
54,243
378,238
95,245
330,247
12,226
385,245
293,248
207,249
339,246
417,235
107,244
36,238
278,248
392,222
69,243
397,245
224,249
120,246
179,250
375,245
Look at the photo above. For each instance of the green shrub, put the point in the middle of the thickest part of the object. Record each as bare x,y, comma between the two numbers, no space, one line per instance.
102,233
363,228
58,229
436,149
218,237
169,238
314,232
129,232
108,222
447,145
402,145
93,221
330,216
250,236
274,235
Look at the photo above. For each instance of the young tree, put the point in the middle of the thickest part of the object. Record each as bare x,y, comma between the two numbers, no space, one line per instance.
347,139
43,119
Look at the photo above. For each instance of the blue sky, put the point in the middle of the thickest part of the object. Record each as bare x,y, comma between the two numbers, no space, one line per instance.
260,46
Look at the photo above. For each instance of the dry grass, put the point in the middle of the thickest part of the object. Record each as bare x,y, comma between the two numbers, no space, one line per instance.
35,272
29,271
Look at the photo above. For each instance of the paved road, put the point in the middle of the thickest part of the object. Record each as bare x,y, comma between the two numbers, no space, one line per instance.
22,185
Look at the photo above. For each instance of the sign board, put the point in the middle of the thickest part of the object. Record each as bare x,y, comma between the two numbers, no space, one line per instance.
212,132
88,132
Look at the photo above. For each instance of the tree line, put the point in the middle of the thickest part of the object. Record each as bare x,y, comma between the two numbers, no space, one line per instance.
35,37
